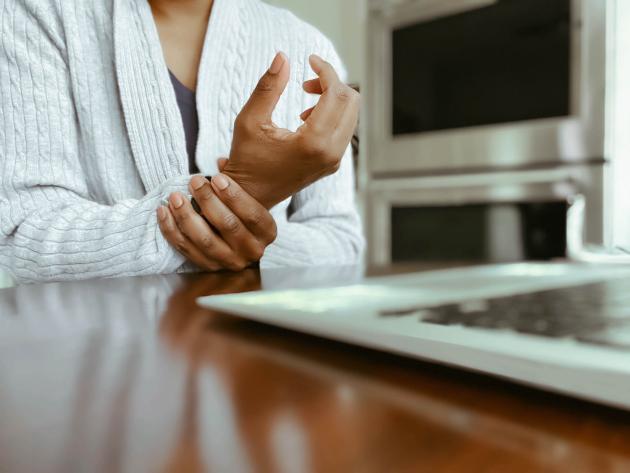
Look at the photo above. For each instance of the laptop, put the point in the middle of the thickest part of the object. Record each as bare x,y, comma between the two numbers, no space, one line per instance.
562,327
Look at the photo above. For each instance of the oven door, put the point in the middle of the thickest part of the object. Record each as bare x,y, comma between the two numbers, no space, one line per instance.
471,85
488,217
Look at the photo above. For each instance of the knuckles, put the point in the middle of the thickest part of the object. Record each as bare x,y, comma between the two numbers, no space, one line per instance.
265,85
240,123
204,194
207,243
257,252
246,126
243,122
342,92
181,216
315,146
271,233
231,224
254,219
180,246
265,224
237,265
318,148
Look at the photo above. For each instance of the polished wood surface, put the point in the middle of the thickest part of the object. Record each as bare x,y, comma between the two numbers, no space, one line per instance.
130,375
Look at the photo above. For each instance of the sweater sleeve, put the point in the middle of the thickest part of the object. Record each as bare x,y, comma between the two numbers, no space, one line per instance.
51,227
324,228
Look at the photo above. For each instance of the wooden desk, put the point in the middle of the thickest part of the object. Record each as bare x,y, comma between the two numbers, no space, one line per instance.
130,375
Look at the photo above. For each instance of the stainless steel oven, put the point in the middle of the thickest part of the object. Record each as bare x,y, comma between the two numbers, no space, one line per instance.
509,91
458,83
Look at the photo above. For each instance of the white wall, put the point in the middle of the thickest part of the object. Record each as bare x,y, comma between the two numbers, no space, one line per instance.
342,21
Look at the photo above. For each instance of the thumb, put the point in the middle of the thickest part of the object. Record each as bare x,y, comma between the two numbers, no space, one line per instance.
267,93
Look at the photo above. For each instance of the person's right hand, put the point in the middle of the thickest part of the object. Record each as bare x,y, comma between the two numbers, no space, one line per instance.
271,163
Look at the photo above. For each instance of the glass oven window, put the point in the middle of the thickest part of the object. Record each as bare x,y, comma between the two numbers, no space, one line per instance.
500,232
503,63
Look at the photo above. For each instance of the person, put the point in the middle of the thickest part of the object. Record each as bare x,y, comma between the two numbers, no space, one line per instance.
113,111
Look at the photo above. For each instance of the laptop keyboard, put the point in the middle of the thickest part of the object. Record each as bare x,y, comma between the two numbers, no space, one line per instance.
596,313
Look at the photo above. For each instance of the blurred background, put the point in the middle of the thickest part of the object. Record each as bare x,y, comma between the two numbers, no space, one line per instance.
484,122
343,21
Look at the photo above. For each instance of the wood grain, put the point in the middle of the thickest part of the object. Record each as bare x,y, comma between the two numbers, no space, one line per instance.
131,375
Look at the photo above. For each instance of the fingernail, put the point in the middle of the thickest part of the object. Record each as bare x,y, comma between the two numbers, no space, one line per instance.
177,200
221,182
161,213
277,64
197,182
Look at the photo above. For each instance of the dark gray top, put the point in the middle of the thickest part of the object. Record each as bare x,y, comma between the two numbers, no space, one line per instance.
187,102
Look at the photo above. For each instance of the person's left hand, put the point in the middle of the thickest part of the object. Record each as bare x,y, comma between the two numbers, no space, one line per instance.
236,230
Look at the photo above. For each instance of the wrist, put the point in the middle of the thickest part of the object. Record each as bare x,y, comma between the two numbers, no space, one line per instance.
254,189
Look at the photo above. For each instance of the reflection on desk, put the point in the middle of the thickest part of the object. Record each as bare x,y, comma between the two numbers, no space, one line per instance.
130,375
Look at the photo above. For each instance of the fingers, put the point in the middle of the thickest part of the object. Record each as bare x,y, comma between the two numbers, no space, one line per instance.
335,99
327,75
348,124
267,93
195,229
313,86
253,214
235,233
177,240
306,113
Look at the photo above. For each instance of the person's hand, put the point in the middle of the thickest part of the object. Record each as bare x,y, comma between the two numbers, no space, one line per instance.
271,163
232,231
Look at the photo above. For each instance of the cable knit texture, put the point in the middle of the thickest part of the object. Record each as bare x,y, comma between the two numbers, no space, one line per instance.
91,140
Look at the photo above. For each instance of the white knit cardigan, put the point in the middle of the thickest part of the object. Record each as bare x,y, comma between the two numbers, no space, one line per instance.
91,140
